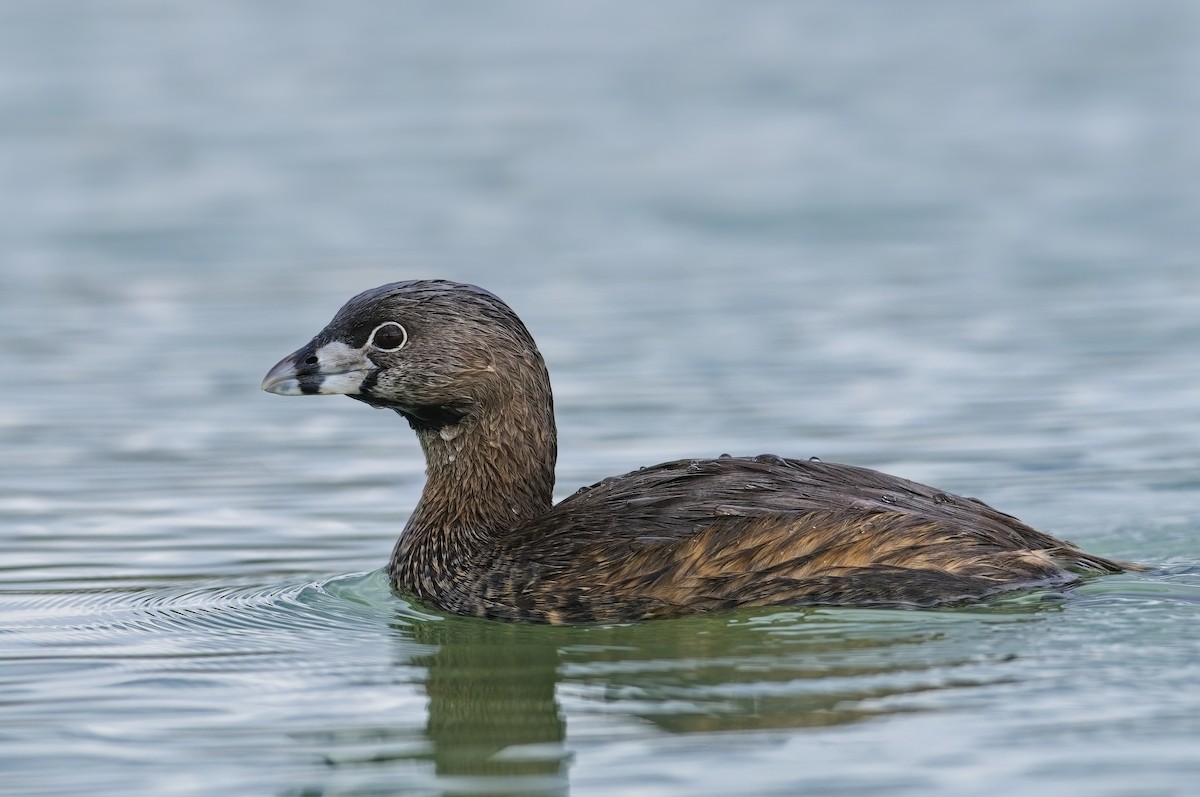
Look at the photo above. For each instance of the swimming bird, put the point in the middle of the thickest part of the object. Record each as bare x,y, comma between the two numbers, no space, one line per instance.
694,535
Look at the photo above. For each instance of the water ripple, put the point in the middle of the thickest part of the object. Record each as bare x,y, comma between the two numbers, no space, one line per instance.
229,619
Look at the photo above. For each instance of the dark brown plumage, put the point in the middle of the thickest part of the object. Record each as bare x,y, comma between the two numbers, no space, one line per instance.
686,536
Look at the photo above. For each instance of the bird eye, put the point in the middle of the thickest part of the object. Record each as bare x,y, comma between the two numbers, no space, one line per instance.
388,336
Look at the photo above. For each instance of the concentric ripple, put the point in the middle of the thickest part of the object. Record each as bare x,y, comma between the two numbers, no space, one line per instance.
203,619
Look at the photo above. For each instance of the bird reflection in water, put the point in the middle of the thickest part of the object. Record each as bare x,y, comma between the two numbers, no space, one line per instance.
497,691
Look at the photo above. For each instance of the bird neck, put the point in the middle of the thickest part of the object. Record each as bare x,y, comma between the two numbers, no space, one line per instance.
486,474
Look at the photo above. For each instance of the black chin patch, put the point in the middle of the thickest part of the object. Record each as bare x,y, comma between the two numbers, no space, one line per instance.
428,417
432,418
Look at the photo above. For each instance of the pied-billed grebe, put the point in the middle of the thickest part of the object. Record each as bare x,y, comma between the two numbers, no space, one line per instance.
689,536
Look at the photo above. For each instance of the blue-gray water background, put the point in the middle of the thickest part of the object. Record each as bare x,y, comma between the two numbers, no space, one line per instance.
954,241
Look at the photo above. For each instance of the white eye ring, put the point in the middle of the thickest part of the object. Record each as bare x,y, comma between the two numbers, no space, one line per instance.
375,331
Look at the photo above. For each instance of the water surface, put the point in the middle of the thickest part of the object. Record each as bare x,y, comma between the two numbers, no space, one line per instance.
957,244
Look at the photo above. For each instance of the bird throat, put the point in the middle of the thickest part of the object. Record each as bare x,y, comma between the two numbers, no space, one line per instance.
485,475
432,417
